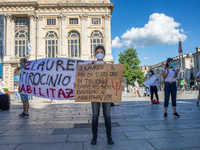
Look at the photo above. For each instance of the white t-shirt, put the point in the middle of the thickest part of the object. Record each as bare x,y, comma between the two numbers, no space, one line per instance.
15,88
99,62
170,76
198,74
155,83
136,84
2,85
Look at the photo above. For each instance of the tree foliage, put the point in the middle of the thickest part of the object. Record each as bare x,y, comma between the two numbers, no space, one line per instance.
132,70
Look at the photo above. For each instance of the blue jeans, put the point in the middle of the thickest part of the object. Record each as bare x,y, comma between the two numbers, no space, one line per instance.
16,93
170,89
95,117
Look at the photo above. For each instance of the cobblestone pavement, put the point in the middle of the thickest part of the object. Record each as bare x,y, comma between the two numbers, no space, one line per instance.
136,124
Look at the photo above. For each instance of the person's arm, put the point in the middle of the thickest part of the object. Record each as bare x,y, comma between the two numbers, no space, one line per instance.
164,74
176,73
196,78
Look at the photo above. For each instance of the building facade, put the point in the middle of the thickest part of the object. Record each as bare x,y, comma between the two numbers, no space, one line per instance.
196,61
54,28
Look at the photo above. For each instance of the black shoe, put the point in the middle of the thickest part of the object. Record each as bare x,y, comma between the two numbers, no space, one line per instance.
94,141
165,114
112,104
176,114
197,103
110,141
23,115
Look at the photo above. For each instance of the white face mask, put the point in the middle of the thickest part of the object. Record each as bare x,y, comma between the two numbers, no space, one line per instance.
100,56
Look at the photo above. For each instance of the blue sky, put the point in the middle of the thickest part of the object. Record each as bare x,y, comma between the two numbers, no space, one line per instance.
154,27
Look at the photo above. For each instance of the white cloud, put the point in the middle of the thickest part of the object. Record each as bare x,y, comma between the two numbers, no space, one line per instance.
116,43
146,57
160,29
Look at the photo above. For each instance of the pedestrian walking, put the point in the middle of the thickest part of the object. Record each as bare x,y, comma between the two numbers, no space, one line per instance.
136,87
24,97
197,81
16,92
154,86
169,73
146,89
30,98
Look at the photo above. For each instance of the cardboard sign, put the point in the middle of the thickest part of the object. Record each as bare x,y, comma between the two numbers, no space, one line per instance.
99,83
50,78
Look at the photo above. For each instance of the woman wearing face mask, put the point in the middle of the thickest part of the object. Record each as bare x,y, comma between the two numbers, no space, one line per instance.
169,73
154,86
16,93
100,54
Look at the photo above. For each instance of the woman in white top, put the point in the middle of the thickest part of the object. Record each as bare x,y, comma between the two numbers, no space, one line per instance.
170,74
154,86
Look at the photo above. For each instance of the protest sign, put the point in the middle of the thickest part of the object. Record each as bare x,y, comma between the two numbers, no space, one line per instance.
99,83
50,78
150,80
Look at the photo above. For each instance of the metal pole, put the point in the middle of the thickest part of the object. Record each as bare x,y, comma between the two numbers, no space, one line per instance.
181,70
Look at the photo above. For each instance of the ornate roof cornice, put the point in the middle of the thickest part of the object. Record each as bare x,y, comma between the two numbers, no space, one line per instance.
28,3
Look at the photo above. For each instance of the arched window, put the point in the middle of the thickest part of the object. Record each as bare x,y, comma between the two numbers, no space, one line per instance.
21,37
51,44
95,39
74,44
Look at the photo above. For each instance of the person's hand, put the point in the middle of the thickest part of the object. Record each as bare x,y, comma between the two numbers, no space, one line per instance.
75,85
177,70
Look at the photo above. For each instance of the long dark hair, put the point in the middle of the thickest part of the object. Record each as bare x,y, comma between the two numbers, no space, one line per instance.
166,64
152,72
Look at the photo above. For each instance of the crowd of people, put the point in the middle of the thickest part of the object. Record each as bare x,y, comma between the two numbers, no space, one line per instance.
169,73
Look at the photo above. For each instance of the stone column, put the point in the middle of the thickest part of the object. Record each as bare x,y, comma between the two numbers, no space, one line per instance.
107,34
40,53
62,19
12,36
32,35
7,52
85,52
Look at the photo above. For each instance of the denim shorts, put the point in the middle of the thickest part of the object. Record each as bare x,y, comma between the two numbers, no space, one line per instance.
24,97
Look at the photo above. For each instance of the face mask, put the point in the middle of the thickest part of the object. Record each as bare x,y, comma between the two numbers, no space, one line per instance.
0,80
172,64
100,56
150,74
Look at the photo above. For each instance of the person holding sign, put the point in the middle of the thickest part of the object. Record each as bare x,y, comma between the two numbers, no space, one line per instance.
100,54
154,85
24,97
169,73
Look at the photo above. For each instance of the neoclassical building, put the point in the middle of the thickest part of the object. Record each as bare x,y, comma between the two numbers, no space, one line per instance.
54,28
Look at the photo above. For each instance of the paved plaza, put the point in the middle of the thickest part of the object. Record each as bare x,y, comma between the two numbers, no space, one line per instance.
136,124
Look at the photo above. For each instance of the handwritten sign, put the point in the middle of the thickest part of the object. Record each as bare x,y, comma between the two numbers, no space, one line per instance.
50,78
99,83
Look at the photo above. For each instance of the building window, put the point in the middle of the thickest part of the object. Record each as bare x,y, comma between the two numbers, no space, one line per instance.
51,22
51,45
74,44
21,37
96,20
96,39
73,21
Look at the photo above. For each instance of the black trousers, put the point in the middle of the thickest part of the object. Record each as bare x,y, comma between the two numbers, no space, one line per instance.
153,90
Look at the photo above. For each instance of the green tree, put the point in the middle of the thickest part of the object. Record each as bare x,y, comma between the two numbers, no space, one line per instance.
132,70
